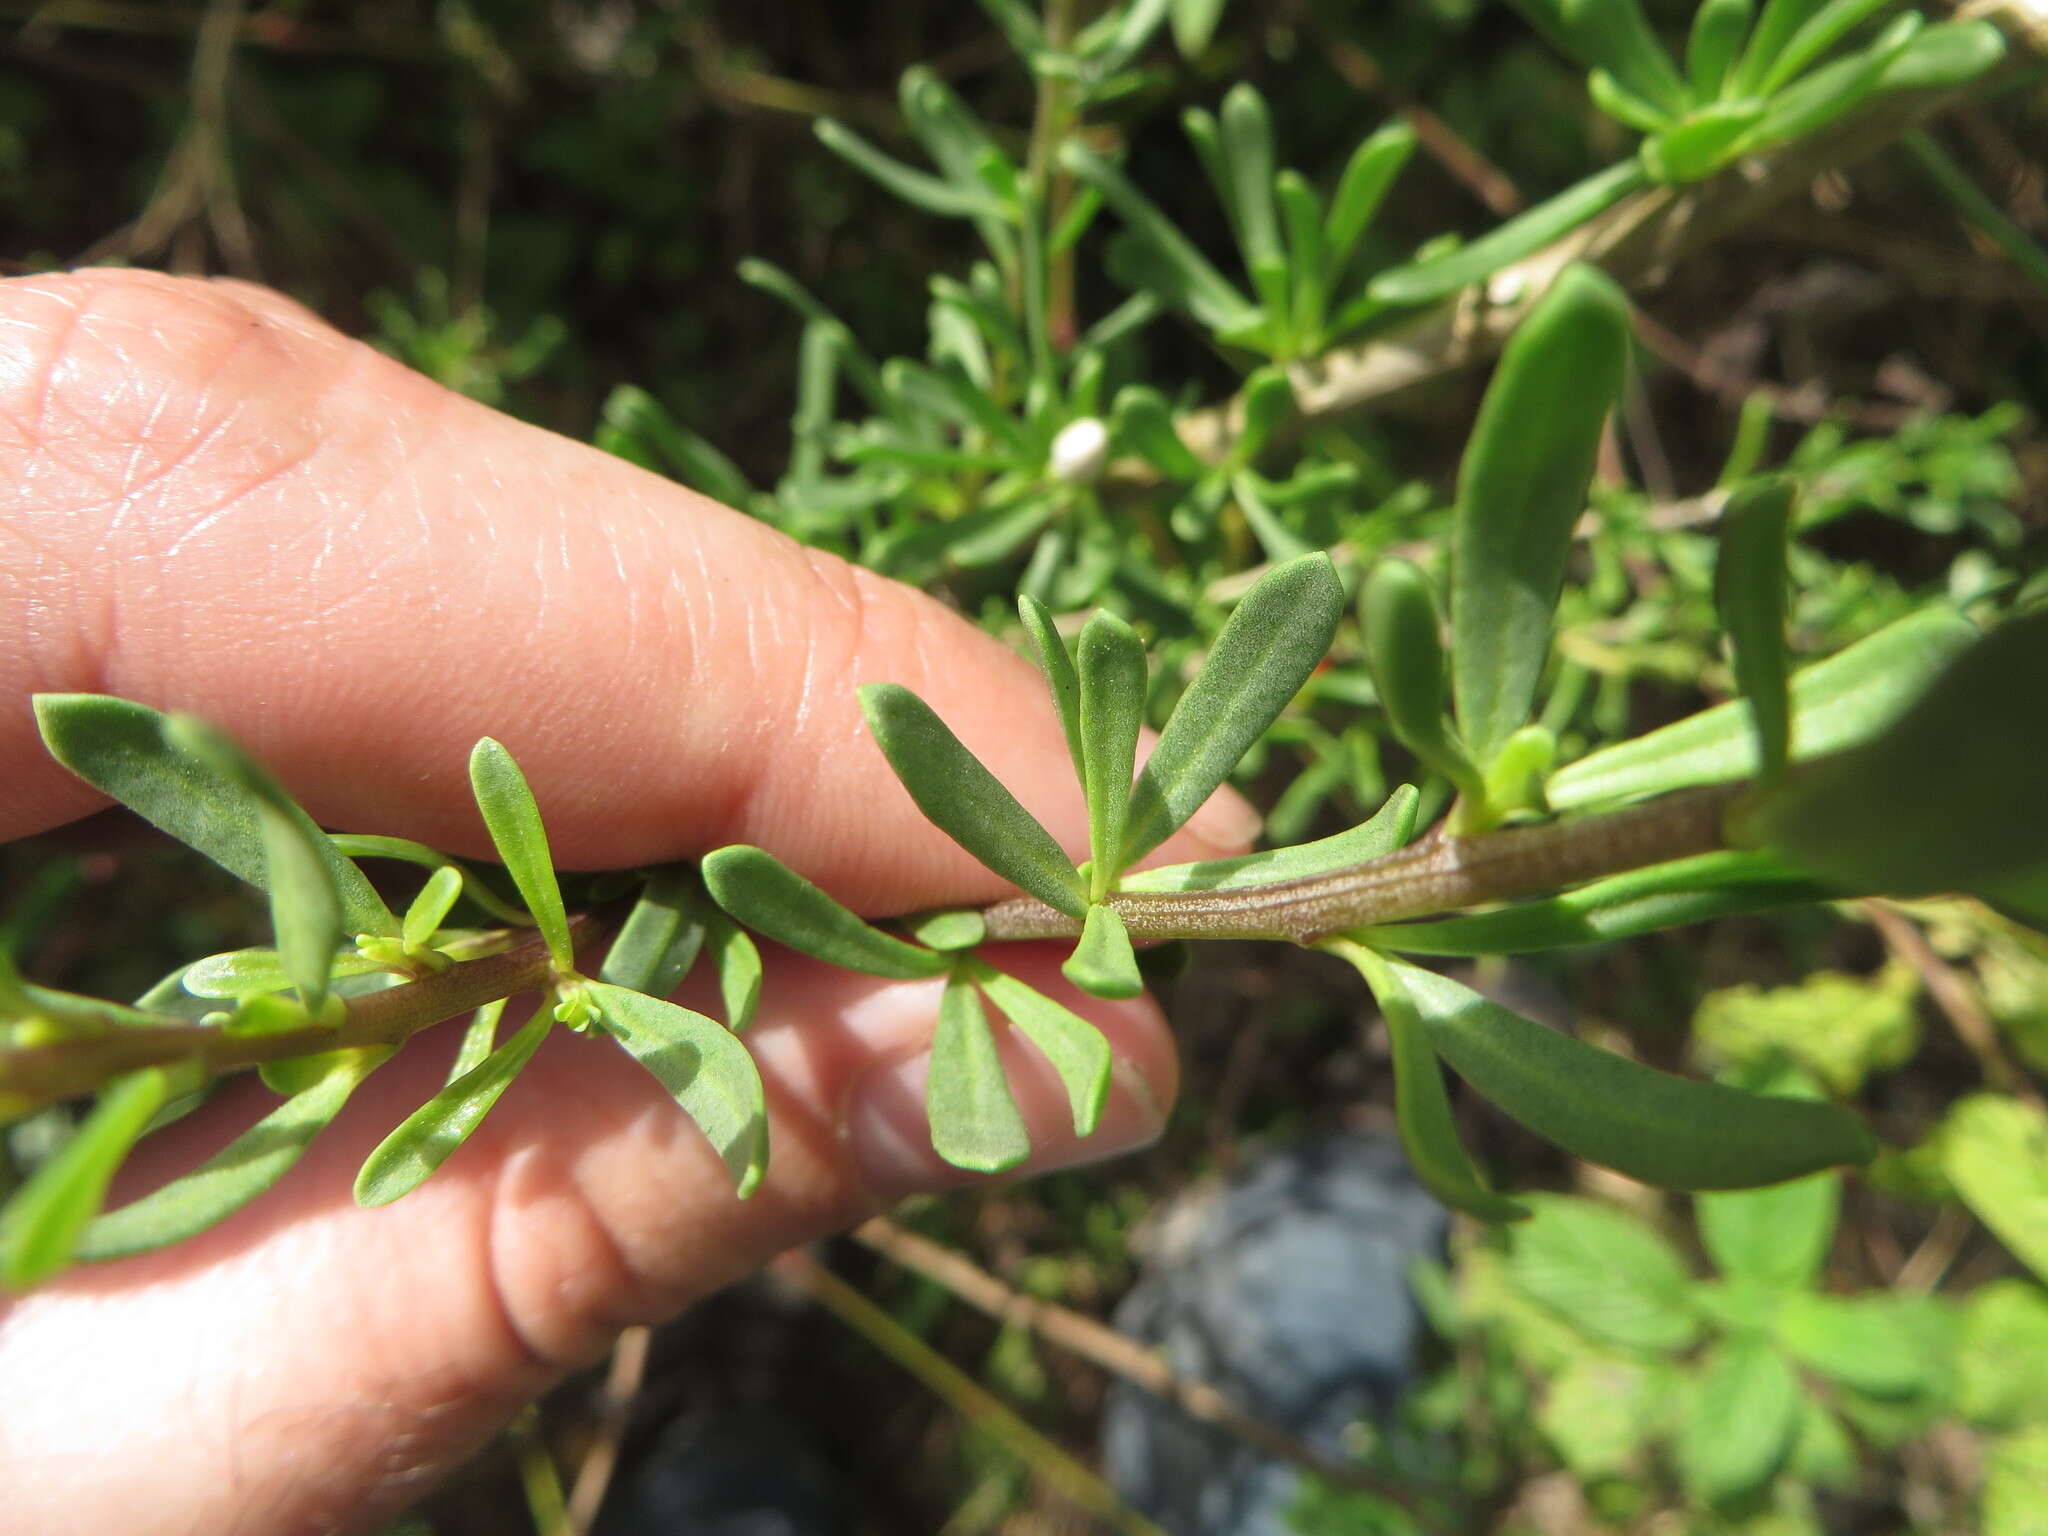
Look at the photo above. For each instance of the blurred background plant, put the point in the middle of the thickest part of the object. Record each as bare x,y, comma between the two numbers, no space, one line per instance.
1114,304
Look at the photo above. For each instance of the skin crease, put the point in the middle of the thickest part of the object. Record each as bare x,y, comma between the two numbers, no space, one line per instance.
210,501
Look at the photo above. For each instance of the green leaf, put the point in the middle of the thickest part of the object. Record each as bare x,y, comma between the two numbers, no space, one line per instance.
1301,214
1945,798
42,1223
1368,177
1742,1422
1439,276
2002,1357
479,1039
1944,56
1422,1109
1057,663
975,1123
1780,22
246,1167
1834,89
964,800
1606,1109
245,972
661,937
426,1138
1103,963
1078,1051
1995,1152
1606,1272
2016,1484
1777,1237
956,928
1272,642
1718,28
1521,487
1612,35
431,907
1111,666
1601,1410
1399,622
1624,105
1248,157
1390,828
1750,590
121,750
1835,704
359,845
1893,1345
1208,294
513,821
1194,23
1702,144
946,198
757,889
1142,421
704,1067
738,963
1820,32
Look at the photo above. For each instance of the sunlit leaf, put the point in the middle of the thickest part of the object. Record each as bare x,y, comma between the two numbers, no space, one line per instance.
1835,704
479,1039
1368,177
1057,663
1438,277
1110,660
955,929
428,1136
1521,487
1606,1272
430,908
757,889
1946,797
1816,35
660,938
1273,640
1103,963
1612,35
975,1122
1741,1422
42,1222
930,193
1077,1050
245,1168
1718,30
1995,1151
738,963
1247,128
1777,1237
1389,828
120,749
513,820
966,801
1609,1110
704,1067
1218,303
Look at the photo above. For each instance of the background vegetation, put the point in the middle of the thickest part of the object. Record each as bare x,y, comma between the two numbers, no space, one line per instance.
539,203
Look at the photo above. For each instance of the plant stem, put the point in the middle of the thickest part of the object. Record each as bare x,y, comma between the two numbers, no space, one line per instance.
43,1074
1437,874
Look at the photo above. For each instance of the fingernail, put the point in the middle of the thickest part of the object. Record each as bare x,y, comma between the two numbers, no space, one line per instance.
891,1142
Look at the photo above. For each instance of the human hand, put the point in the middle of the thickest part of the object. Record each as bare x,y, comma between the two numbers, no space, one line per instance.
217,504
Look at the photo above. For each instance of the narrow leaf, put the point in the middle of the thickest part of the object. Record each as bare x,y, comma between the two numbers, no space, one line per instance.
1078,1051
360,845
430,908
1702,144
1201,281
1718,28
1521,487
1834,90
41,1225
738,963
948,199
1615,36
1368,177
245,972
1248,157
1110,662
1696,890
1390,828
1402,630
1438,277
955,929
1057,663
1775,28
428,1136
1946,798
757,889
1606,1109
661,937
965,801
1820,32
975,1122
120,749
245,1168
513,821
1142,422
1272,642
479,1039
1750,584
704,1067
1835,703
1422,1109
1103,963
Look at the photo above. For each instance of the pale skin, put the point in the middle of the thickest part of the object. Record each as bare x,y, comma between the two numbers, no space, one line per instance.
211,501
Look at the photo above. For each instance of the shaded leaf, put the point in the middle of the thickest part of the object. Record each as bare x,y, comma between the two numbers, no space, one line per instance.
513,820
1742,1422
428,1136
1078,1051
120,749
1208,294
1606,1109
757,889
246,1167
1265,652
1057,663
1402,630
1103,963
967,802
738,963
948,199
1521,487
954,929
479,1039
660,938
705,1069
1750,590
42,1222
1110,659
1835,703
975,1122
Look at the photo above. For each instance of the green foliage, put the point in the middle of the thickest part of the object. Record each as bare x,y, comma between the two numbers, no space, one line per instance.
1838,1028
